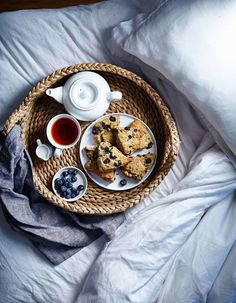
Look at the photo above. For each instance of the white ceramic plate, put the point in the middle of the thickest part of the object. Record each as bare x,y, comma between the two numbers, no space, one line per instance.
87,140
81,179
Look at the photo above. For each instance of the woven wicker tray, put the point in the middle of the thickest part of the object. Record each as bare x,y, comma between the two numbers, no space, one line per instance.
139,99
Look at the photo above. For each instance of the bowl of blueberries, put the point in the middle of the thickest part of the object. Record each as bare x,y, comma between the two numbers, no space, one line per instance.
69,183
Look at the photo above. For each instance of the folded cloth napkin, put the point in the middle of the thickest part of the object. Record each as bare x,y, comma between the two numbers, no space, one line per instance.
58,234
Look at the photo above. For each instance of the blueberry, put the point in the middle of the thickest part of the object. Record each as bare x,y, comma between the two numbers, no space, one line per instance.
68,196
106,161
62,195
123,182
73,195
130,137
61,181
95,130
148,161
73,179
70,171
127,128
57,186
58,182
66,183
112,119
105,126
74,172
62,189
106,150
68,179
77,192
68,191
65,173
70,185
80,187
150,145
73,190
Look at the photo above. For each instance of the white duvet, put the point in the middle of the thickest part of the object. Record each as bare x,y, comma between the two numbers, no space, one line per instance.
178,245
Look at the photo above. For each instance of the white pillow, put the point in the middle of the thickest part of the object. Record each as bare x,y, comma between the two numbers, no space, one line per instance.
193,44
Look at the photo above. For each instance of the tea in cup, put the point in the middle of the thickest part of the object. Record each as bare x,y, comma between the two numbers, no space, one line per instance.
63,131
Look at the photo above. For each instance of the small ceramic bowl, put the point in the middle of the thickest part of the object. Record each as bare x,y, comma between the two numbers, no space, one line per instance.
81,180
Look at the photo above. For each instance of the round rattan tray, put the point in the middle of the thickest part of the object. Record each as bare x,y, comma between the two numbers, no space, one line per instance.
139,99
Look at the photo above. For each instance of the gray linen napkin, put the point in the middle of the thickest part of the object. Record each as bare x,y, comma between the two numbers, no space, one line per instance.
58,234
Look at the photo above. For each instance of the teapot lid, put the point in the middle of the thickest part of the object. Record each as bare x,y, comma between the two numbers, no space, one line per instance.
84,94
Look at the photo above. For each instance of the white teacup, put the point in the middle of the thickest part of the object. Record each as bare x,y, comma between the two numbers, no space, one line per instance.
63,131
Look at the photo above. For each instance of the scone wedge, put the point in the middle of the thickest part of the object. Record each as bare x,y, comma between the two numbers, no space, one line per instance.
138,166
132,138
107,176
109,157
102,131
91,152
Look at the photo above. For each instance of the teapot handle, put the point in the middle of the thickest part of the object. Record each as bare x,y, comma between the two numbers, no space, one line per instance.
114,96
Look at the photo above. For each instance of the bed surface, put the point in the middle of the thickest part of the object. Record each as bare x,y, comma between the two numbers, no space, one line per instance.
175,246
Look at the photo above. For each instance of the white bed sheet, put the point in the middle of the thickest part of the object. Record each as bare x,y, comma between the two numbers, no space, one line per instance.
162,242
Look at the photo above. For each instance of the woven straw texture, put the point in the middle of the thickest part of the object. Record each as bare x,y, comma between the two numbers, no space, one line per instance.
139,99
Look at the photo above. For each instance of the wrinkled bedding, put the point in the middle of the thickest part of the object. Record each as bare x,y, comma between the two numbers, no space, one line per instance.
178,245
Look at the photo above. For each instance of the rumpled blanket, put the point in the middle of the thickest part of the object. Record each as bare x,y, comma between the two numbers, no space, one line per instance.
58,234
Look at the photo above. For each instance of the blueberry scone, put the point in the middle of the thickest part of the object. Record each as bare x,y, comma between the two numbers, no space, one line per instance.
91,152
109,157
102,131
132,138
107,176
138,166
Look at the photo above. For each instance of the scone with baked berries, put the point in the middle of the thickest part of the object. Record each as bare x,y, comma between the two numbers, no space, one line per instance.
102,131
107,176
138,166
109,157
91,152
132,138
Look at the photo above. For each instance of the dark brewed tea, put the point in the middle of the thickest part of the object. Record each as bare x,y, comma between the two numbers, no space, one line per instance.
64,131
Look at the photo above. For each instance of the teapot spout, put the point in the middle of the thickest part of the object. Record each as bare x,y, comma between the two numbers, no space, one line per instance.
56,93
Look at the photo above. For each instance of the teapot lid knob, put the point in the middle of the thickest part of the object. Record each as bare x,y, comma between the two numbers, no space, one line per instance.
84,94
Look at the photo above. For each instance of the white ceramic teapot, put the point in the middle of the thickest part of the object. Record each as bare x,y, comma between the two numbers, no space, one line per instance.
85,95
